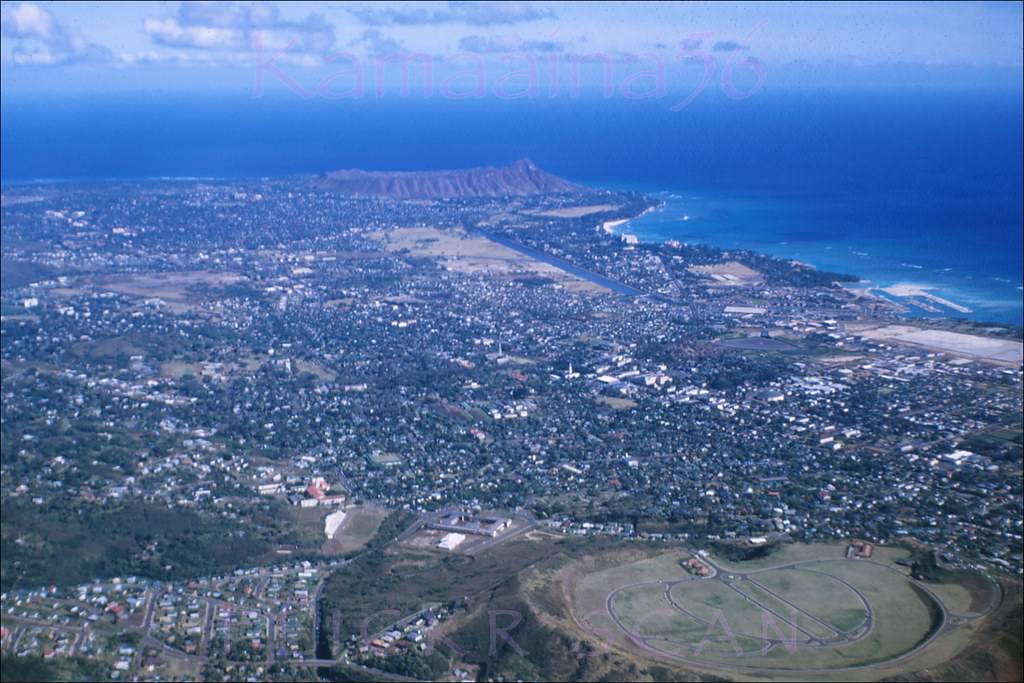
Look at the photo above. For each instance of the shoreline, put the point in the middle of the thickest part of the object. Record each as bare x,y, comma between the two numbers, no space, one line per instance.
913,297
912,290
609,226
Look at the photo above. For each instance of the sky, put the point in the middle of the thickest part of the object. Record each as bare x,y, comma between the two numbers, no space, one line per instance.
55,47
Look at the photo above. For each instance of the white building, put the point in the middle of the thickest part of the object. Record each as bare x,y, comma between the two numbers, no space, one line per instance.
451,541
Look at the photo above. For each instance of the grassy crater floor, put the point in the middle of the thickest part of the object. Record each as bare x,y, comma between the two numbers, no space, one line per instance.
805,609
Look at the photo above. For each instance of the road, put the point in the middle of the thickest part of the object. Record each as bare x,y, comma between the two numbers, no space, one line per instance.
561,264
728,577
816,620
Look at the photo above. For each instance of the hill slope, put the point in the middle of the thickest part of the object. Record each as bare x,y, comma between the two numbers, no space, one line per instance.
520,178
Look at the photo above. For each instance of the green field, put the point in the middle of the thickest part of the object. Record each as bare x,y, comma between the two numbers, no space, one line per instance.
711,600
644,610
793,615
817,594
701,643
965,593
724,621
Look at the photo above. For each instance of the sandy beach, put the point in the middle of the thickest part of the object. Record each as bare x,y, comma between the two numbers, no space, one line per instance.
609,226
910,289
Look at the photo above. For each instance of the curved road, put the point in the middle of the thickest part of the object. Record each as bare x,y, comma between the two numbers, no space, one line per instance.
947,621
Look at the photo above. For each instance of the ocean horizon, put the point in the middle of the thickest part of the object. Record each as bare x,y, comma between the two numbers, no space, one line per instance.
921,189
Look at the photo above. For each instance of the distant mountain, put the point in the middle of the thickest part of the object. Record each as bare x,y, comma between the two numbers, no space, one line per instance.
517,179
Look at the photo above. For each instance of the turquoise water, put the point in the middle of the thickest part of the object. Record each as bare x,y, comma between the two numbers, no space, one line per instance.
966,250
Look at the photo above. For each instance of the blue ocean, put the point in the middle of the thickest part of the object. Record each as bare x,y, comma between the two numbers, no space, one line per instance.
966,250
894,186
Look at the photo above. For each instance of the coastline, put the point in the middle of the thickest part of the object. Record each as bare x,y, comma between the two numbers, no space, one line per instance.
609,226
912,290
921,291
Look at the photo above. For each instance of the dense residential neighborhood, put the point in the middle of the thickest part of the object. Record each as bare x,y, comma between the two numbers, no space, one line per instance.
207,379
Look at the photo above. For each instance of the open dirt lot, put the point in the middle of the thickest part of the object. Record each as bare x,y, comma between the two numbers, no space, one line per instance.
578,211
990,349
170,288
465,253
356,530
731,273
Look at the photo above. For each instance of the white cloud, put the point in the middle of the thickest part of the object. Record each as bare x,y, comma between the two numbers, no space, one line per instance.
37,38
377,43
474,13
239,27
491,44
171,33
207,58
26,19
